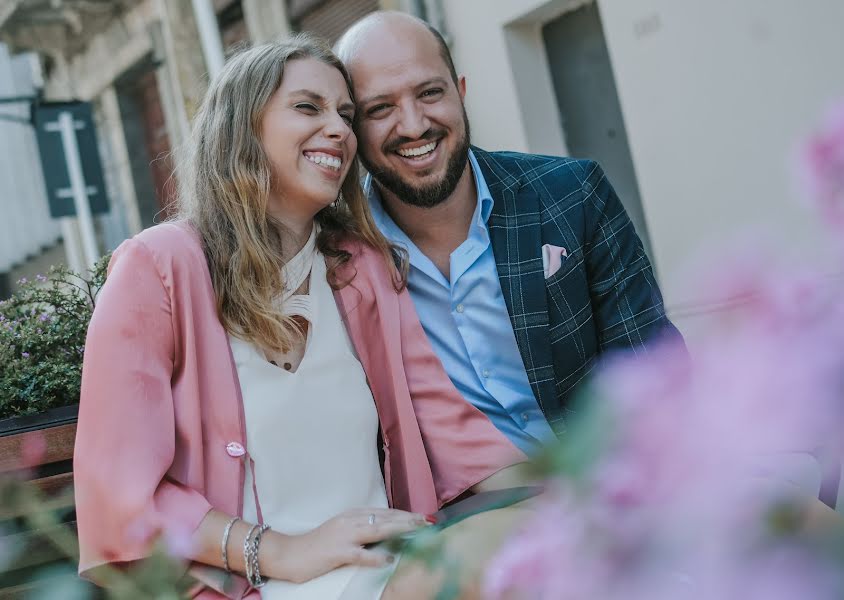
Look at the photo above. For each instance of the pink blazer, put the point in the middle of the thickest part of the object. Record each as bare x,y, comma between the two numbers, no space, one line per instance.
161,415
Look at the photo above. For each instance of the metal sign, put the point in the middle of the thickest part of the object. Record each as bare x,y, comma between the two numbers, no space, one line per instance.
60,127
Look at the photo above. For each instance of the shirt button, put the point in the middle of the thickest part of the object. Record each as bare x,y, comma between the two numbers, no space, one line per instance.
235,450
460,308
525,417
485,373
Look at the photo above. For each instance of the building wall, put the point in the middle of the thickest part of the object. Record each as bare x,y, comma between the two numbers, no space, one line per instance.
26,228
328,18
498,45
714,95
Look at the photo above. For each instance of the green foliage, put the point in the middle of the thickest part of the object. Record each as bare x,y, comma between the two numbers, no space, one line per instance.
42,338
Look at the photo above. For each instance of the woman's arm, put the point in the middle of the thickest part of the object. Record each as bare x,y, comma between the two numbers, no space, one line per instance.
337,542
125,441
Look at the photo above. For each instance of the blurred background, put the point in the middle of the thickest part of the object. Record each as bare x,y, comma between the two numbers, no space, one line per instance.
693,107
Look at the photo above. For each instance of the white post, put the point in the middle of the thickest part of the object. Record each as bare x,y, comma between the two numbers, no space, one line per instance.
67,129
113,128
209,36
70,236
265,20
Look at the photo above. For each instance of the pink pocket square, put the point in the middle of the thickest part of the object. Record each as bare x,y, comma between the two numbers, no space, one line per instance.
552,259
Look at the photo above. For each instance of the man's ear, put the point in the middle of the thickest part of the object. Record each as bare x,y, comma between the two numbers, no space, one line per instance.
461,86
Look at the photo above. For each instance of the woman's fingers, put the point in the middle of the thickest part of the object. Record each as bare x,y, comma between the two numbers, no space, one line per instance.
374,525
369,532
370,558
384,516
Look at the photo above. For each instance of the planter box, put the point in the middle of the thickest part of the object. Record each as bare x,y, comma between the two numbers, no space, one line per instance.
48,419
54,432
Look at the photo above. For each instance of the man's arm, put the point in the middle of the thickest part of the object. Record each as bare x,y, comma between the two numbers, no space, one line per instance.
626,300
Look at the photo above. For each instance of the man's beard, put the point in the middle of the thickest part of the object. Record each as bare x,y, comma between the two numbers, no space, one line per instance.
432,194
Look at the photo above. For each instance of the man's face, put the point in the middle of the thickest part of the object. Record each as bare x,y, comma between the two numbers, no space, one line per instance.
412,128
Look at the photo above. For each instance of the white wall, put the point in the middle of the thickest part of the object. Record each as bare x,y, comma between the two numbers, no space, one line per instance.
25,227
715,95
510,98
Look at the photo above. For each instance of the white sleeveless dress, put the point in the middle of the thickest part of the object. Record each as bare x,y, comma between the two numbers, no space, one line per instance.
312,434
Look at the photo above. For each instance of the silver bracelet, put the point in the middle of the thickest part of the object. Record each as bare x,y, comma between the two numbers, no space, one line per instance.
247,547
225,542
253,571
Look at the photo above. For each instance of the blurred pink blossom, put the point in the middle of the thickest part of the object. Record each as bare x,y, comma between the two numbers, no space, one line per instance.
32,450
179,543
550,558
821,167
693,454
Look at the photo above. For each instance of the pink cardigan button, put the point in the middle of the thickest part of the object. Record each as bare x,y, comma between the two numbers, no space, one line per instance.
234,449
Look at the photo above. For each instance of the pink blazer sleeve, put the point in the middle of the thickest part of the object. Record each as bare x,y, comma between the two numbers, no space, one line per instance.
125,440
462,444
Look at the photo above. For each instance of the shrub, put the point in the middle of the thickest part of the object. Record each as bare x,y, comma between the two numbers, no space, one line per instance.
42,338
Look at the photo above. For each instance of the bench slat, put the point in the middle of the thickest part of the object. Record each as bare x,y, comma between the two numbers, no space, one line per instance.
58,442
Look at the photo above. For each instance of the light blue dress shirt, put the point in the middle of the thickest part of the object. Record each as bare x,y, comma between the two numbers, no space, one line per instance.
468,325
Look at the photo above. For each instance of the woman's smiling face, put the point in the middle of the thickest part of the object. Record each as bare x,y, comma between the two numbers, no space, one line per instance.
306,132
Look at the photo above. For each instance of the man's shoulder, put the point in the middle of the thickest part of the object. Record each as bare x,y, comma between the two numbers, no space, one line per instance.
528,168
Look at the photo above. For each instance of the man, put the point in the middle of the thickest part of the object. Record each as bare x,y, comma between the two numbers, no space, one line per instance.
524,268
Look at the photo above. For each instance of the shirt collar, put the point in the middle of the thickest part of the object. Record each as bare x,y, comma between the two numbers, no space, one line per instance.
485,200
392,231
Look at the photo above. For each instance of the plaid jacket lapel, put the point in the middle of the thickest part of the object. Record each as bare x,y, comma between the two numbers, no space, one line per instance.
514,229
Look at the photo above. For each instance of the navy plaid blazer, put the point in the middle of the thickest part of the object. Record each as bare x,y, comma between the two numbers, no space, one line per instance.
603,297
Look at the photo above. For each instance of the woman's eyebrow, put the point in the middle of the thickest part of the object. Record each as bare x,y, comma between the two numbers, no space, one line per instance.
320,99
309,94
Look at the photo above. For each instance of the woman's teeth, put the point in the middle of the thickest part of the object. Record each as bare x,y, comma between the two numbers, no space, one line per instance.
420,151
326,160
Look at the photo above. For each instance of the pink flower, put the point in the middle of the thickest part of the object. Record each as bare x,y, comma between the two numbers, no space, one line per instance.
688,454
178,542
32,450
821,167
141,531
550,558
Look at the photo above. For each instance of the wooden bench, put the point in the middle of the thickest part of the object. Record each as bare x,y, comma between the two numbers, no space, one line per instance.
50,479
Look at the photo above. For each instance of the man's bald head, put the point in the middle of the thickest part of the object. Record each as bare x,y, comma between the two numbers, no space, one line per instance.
411,124
375,26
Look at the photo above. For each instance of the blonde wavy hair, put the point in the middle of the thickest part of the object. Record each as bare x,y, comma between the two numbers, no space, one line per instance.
225,188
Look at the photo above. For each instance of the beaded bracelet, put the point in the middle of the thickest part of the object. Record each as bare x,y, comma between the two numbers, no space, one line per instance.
250,555
247,551
225,542
256,570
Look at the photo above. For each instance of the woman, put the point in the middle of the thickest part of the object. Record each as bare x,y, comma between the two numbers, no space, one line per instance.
243,360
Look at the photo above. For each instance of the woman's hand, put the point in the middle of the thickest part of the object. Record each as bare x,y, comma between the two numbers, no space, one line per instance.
340,541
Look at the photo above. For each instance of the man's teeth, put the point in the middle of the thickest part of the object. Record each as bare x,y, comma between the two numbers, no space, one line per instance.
418,151
326,160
